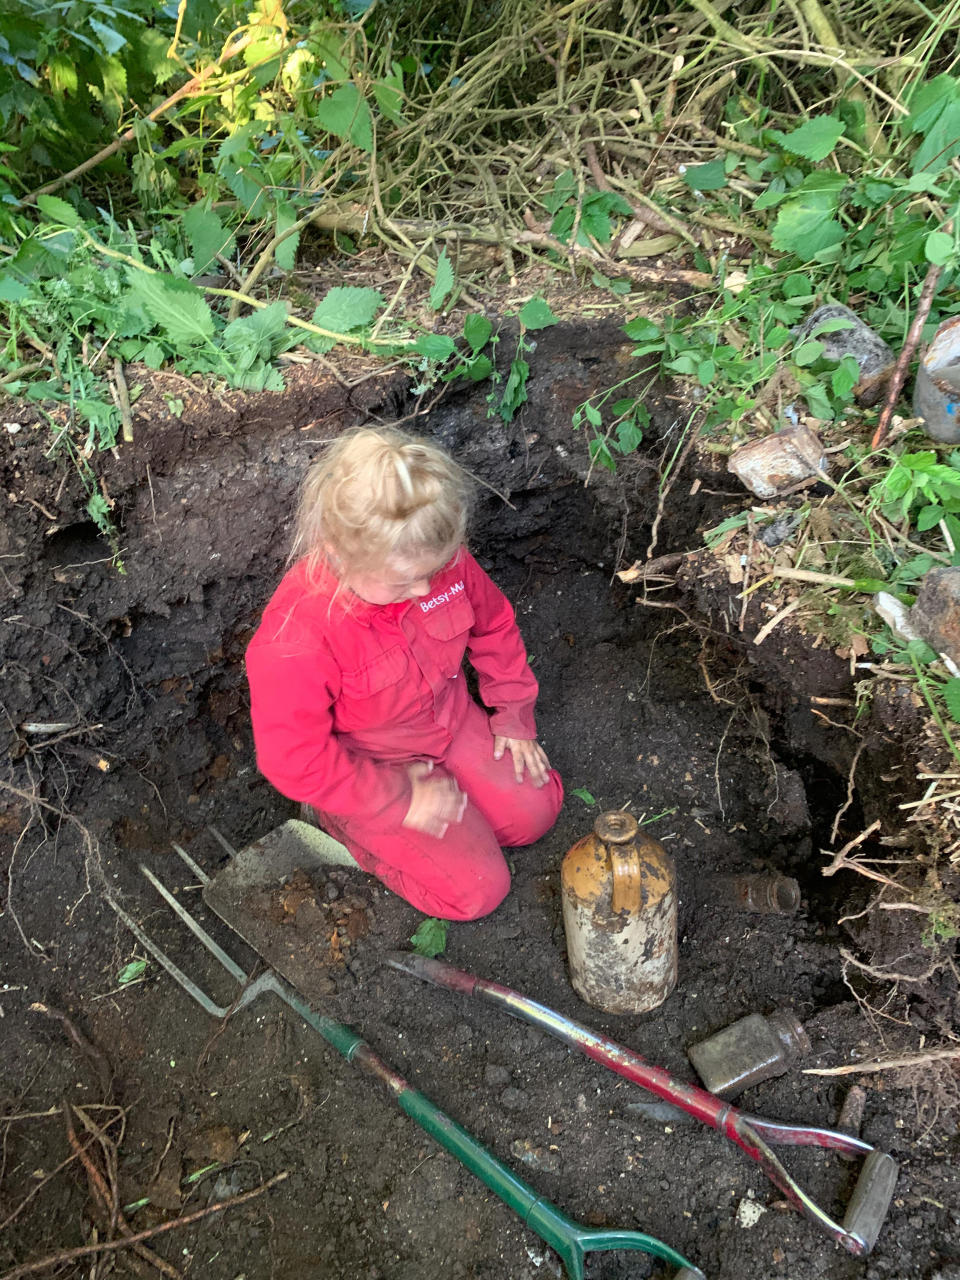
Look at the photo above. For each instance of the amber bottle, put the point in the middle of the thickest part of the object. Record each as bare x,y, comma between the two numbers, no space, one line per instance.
620,917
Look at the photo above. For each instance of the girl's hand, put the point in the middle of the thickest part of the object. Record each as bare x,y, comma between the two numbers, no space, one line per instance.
527,755
435,801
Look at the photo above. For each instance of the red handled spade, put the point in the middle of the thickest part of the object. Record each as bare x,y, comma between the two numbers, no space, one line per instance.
754,1136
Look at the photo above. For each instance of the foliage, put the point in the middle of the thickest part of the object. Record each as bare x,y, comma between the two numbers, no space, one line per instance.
943,925
583,794
920,489
430,938
131,972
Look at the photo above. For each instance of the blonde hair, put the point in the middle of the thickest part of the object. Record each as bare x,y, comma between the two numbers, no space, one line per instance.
377,493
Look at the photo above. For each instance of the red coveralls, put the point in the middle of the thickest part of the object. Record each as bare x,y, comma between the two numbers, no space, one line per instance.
345,693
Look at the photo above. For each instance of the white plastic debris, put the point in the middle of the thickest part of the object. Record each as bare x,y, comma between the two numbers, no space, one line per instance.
749,1213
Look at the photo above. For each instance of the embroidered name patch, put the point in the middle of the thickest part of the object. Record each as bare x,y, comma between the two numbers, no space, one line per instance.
443,597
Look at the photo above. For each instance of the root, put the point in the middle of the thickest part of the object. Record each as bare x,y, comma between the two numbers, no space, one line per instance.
111,1246
888,1064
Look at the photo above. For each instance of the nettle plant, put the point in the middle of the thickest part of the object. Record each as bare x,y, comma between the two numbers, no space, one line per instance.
843,222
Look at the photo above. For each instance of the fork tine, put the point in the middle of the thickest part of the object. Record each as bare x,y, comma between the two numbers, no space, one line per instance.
175,972
213,947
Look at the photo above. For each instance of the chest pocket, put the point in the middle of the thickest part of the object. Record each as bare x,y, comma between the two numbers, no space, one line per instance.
372,695
449,628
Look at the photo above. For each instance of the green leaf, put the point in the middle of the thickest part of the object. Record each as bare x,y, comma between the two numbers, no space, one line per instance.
942,143
583,794
706,177
815,138
928,518
515,390
111,40
476,370
536,314
285,254
345,113
177,306
11,289
600,452
845,377
205,236
255,337
643,330
62,74
130,972
805,226
477,330
430,938
629,436
564,187
388,93
770,198
818,402
56,210
938,248
951,696
921,652
346,307
443,283
592,415
797,286
435,346
776,337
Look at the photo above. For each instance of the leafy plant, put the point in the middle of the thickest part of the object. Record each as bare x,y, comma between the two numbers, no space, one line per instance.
920,488
583,216
131,972
430,938
583,794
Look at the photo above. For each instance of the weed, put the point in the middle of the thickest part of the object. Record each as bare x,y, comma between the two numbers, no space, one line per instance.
430,938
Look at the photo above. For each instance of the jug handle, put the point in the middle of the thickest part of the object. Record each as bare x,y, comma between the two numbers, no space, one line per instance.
627,877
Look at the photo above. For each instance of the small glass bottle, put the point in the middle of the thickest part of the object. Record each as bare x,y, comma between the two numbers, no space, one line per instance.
755,1048
760,891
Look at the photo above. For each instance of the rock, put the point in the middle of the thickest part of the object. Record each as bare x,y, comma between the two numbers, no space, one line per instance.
875,358
513,1099
496,1076
774,463
936,614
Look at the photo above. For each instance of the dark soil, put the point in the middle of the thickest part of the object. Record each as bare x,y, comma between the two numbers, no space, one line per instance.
637,707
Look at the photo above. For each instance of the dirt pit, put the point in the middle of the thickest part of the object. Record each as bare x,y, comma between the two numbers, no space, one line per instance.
140,676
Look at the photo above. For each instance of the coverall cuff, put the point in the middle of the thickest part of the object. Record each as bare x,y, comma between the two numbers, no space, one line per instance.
514,722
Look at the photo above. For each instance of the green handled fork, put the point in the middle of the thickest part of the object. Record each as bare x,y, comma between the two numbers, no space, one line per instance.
570,1239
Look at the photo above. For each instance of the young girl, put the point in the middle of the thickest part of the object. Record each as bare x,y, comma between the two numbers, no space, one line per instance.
358,700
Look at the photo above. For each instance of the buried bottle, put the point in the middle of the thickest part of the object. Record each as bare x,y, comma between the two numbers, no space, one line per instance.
760,891
620,917
749,1051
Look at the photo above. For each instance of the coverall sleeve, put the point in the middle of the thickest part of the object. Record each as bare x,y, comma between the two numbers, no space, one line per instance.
292,692
497,654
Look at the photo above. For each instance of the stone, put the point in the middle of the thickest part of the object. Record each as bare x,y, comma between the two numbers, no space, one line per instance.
496,1076
936,614
513,1099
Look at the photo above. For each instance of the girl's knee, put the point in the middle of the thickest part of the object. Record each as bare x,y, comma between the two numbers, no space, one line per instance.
473,899
531,815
